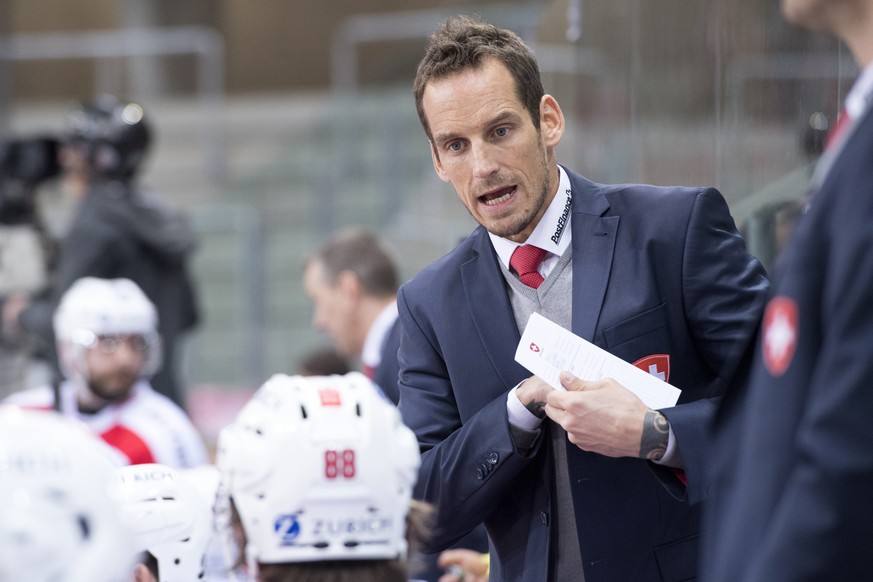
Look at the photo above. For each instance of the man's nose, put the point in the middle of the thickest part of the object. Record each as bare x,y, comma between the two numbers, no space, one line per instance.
484,160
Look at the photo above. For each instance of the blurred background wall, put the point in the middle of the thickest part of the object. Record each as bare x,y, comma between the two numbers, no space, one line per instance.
278,122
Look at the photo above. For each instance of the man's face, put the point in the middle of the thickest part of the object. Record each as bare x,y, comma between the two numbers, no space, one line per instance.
76,173
486,145
115,364
333,308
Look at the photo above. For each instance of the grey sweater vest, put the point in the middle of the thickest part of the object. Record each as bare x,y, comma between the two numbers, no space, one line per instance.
554,300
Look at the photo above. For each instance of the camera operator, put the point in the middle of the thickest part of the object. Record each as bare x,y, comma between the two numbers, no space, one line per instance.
118,231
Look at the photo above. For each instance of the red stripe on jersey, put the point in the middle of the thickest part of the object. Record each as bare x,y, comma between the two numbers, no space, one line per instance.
130,444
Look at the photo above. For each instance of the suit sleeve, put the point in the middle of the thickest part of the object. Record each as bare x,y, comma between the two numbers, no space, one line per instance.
466,467
723,289
829,487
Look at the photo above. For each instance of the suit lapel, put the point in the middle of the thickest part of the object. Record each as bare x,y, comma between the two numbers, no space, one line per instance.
593,248
491,311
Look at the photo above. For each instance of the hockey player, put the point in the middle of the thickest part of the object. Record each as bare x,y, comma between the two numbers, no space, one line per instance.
108,347
317,476
59,521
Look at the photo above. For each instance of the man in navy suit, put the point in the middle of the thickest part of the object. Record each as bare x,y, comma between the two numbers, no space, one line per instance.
658,276
793,486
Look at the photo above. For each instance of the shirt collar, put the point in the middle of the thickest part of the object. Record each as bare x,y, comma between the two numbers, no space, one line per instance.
371,355
859,98
552,233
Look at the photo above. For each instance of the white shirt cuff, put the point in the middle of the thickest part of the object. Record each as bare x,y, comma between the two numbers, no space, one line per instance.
518,414
671,456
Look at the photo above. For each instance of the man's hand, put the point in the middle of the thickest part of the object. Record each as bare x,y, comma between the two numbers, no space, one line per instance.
606,418
463,566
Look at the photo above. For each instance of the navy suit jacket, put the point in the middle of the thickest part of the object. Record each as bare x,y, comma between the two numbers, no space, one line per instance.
655,271
794,483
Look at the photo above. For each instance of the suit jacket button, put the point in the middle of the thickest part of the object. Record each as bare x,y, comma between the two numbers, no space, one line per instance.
479,474
544,517
493,458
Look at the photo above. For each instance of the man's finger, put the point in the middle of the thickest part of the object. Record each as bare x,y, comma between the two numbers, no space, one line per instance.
572,383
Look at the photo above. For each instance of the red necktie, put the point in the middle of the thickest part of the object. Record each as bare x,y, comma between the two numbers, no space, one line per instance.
526,260
835,134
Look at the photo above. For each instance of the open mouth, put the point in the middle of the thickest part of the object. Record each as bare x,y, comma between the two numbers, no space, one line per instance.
498,196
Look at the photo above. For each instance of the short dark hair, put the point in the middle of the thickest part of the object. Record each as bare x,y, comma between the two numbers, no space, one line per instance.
323,362
463,42
363,254
151,562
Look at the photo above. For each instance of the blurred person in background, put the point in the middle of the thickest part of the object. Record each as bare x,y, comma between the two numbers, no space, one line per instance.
108,345
352,282
59,518
119,230
595,484
170,512
25,248
316,482
793,468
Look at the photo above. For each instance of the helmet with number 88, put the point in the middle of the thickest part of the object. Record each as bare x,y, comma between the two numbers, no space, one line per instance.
92,308
59,519
319,468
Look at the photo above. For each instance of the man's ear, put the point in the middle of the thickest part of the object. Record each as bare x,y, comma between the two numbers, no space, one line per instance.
437,164
142,574
350,285
551,121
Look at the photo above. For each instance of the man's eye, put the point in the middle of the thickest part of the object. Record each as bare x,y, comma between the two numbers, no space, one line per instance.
455,146
139,343
501,131
108,344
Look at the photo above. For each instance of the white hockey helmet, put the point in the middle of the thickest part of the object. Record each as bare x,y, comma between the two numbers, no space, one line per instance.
171,517
94,307
59,520
319,468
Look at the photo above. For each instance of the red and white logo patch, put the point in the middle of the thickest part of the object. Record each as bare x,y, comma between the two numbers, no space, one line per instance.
330,397
780,334
658,365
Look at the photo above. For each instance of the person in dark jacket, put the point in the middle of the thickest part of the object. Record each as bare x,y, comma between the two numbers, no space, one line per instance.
119,231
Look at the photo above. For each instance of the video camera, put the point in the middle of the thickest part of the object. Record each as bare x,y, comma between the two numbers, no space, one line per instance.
24,164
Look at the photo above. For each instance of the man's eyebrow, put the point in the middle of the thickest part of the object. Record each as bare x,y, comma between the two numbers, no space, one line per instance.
441,138
502,117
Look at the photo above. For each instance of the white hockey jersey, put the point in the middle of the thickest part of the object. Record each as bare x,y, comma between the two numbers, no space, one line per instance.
148,427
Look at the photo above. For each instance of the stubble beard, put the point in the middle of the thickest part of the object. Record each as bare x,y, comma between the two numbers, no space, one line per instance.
527,215
118,390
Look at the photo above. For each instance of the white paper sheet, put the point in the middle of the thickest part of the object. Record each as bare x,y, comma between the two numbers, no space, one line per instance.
546,349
